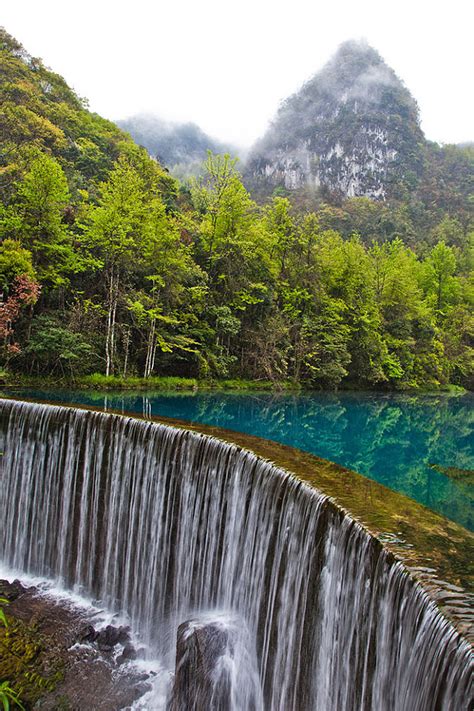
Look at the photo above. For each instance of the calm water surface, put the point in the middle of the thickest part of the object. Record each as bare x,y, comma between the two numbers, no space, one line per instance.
394,439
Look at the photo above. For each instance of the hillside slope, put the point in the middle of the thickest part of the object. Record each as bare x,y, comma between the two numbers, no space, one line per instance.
108,265
41,113
181,147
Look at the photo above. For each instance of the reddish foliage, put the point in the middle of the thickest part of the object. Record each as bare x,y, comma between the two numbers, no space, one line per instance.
13,349
25,292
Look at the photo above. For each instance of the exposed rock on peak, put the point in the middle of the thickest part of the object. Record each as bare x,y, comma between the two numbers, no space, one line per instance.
352,128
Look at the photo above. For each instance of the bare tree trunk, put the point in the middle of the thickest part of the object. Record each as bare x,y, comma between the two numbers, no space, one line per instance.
109,327
153,353
111,317
298,356
126,347
112,336
150,358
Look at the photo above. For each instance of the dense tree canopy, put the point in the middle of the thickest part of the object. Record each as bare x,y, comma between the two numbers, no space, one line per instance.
108,265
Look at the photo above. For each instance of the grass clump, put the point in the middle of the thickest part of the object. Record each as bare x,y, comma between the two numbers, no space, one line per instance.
117,382
98,381
27,670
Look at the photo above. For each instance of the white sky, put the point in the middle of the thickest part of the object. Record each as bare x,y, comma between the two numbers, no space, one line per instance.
226,66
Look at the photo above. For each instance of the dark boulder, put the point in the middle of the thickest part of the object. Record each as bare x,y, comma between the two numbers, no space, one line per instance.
129,653
87,634
11,591
200,680
110,636
107,638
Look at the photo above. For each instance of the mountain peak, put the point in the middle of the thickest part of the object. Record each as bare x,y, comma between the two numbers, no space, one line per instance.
349,128
182,147
356,47
359,69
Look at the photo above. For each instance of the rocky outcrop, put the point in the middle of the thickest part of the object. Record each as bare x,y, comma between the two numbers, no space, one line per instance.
216,666
352,129
199,682
52,654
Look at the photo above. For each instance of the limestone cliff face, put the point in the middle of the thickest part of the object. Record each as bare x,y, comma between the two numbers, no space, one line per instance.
353,128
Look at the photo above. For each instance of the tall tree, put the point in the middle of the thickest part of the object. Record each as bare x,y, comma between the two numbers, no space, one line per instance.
115,231
37,218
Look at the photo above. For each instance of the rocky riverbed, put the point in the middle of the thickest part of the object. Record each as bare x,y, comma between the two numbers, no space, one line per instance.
58,656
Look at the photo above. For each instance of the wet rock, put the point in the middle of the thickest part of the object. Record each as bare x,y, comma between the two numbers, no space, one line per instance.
129,653
199,683
109,637
11,591
106,639
87,634
67,675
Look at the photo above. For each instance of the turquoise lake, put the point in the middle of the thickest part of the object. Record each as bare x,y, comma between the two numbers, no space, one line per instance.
419,445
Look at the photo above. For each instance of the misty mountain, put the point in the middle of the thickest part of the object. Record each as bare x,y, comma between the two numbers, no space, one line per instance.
352,129
181,147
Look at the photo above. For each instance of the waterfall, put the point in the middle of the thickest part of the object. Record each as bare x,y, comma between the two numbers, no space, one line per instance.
170,526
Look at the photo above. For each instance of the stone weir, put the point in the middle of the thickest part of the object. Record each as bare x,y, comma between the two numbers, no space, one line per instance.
279,600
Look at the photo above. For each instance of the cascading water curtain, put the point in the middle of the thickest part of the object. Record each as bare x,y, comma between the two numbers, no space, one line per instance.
169,525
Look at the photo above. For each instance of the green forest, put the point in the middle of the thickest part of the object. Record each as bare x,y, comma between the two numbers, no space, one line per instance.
109,265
